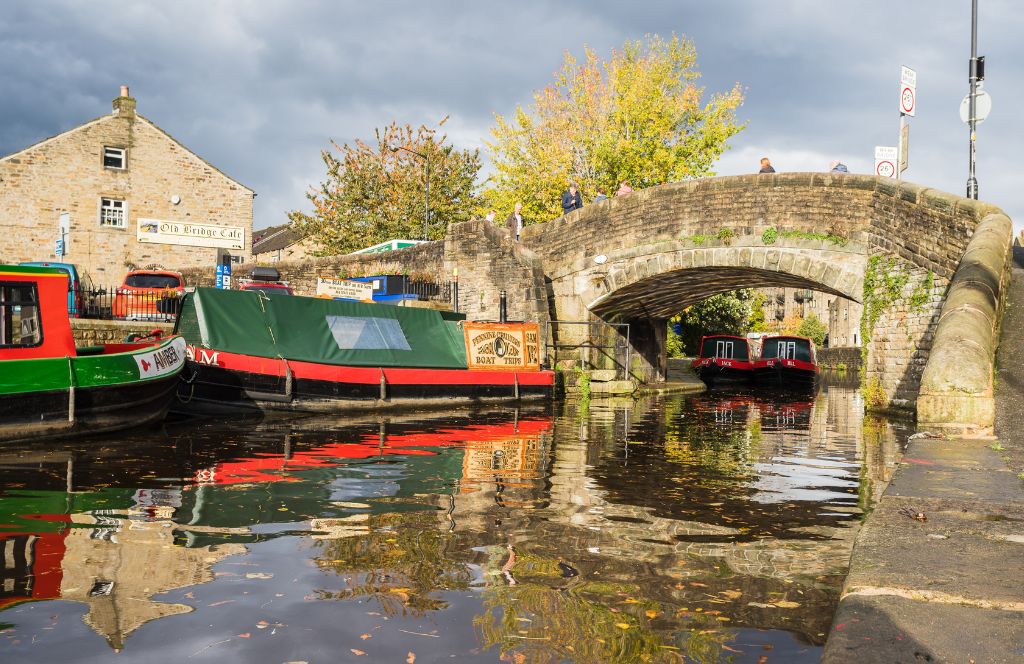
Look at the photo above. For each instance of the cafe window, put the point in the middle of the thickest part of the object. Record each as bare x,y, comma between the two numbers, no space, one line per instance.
112,212
19,316
115,158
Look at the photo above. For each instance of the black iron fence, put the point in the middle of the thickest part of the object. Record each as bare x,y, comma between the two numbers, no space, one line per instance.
119,303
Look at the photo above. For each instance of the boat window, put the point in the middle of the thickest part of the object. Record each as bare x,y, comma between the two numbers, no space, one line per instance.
367,333
19,316
787,349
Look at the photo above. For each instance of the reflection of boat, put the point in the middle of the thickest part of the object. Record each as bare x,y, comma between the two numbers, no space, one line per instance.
723,358
787,362
247,351
49,387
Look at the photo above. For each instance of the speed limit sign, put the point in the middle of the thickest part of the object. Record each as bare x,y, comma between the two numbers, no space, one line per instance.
908,91
885,161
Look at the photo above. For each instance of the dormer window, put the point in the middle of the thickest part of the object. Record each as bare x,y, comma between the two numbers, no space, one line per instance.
115,158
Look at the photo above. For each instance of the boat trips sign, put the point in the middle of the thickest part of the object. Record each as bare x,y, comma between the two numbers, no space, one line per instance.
350,290
502,346
189,234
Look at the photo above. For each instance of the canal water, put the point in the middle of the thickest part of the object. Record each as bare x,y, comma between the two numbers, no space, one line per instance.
704,528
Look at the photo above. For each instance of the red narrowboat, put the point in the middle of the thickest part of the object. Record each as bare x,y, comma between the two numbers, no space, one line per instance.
787,362
724,358
250,351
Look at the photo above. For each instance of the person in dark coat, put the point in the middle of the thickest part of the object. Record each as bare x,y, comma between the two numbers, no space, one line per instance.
571,200
515,222
766,165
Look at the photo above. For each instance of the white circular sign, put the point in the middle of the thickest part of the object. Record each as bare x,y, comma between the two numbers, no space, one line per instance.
885,168
982,107
907,99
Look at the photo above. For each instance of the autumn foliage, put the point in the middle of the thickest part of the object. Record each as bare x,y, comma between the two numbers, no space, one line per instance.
374,193
638,116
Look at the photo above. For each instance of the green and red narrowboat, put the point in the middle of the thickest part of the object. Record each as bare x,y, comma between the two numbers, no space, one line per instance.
48,387
248,351
724,358
787,361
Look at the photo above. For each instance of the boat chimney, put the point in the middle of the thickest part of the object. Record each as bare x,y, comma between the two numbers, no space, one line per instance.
502,308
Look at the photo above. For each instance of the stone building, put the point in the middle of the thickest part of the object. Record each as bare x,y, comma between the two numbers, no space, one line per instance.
280,243
120,193
840,315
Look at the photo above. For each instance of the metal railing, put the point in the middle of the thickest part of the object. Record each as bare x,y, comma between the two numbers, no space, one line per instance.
620,346
119,303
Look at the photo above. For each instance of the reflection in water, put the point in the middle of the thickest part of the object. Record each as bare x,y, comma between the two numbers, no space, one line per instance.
715,528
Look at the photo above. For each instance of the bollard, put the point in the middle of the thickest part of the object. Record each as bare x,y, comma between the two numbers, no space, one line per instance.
502,308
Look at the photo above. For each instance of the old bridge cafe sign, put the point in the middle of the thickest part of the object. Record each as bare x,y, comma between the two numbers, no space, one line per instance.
189,234
502,346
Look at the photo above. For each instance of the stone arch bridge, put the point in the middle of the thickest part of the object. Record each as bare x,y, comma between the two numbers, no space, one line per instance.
929,267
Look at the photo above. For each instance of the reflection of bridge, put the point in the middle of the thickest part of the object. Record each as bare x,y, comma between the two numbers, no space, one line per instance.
895,247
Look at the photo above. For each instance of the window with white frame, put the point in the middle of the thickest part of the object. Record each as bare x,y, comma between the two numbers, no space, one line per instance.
113,213
115,158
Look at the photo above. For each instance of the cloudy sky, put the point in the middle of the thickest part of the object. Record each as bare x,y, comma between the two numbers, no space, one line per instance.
258,88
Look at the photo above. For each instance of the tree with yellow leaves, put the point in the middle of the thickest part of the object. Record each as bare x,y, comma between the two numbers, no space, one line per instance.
638,116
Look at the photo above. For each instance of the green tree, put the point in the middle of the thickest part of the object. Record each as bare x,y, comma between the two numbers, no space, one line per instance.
638,116
814,328
375,193
725,313
758,320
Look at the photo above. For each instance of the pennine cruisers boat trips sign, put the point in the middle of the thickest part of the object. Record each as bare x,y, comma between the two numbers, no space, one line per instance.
502,346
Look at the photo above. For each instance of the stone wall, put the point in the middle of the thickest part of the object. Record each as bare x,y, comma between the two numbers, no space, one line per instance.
98,332
66,174
839,358
424,262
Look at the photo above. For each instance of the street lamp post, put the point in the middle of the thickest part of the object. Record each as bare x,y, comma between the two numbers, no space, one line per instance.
972,181
426,187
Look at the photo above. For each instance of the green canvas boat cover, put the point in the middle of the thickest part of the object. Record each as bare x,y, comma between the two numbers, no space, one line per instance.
324,331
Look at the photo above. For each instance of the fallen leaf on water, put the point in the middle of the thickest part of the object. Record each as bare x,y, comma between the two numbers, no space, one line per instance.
650,613
365,636
244,635
762,659
263,624
698,584
357,652
786,604
622,625
223,601
259,575
630,600
410,658
731,594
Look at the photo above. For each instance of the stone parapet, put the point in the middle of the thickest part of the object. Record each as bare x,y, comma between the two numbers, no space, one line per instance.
957,384
98,332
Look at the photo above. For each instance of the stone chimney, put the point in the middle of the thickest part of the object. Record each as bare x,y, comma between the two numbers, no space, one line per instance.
124,105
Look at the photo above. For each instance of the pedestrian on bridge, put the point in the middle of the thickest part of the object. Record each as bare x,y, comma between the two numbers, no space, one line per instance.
624,188
515,222
766,165
571,200
602,195
838,167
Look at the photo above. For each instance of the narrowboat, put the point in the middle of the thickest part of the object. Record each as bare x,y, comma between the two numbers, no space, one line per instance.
48,387
724,358
248,351
787,361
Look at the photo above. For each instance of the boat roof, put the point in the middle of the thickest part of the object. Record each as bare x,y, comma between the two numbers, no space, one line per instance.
786,336
32,270
723,336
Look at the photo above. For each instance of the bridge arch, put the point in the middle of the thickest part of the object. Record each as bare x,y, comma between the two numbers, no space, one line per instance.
643,257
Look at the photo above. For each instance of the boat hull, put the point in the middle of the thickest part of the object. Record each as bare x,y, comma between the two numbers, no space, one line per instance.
90,394
221,382
713,370
786,373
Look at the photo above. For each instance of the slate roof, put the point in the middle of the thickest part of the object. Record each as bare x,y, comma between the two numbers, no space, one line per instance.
274,238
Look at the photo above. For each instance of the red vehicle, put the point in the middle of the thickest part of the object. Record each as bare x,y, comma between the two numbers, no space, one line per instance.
149,295
266,280
787,361
724,358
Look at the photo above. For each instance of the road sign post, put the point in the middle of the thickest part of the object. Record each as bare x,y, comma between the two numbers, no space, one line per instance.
908,106
886,159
